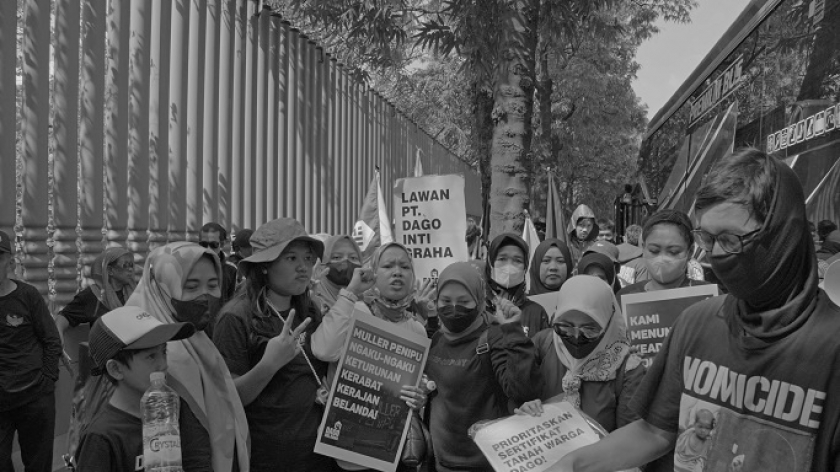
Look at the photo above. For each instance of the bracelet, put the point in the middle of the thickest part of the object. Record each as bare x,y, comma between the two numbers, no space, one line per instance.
348,295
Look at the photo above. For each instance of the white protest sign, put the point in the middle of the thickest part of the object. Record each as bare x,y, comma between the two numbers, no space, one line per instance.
525,443
431,219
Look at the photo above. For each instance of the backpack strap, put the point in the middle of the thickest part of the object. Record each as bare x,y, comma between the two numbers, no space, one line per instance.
483,347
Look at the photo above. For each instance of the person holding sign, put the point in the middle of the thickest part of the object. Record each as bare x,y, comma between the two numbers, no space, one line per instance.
478,368
550,267
507,261
774,333
666,244
586,355
391,282
277,346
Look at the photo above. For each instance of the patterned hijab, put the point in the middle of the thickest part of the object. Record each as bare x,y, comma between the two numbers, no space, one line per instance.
195,365
101,285
593,297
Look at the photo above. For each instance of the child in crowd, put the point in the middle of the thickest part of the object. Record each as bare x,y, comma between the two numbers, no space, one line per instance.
694,443
127,345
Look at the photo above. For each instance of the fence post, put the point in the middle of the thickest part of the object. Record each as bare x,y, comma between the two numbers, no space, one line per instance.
8,116
35,115
66,158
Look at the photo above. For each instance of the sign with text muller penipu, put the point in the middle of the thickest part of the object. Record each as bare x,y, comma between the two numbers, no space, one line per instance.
365,421
650,315
431,221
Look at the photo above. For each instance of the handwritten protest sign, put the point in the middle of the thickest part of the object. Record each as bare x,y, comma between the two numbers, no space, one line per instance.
549,301
431,221
650,315
523,443
365,421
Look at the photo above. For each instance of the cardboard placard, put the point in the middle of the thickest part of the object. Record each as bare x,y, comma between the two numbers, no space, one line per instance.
650,315
431,221
365,421
535,444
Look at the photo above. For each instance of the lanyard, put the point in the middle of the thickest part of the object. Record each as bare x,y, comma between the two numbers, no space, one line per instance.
302,350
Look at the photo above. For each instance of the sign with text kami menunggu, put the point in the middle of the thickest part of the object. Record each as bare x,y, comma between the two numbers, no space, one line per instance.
431,221
650,315
365,421
524,443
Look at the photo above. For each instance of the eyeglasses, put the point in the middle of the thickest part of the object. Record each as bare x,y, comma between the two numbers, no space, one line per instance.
569,331
731,243
210,244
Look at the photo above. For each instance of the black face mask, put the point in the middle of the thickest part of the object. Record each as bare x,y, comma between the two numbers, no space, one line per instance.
341,273
457,318
580,346
199,312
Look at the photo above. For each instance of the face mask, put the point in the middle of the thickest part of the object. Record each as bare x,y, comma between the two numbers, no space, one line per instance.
667,269
199,312
457,318
508,275
740,272
341,273
580,346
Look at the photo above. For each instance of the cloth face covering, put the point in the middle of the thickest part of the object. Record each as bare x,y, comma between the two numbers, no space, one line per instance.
666,269
198,311
457,318
341,273
774,278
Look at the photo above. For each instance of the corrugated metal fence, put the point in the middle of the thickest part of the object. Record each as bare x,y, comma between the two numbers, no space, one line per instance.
141,120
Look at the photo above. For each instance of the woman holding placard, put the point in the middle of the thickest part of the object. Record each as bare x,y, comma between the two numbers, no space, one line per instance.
585,356
479,368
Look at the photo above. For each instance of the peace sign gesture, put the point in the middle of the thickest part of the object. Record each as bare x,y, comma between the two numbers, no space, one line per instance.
282,348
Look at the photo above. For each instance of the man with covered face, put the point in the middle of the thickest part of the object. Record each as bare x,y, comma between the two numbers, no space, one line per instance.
766,353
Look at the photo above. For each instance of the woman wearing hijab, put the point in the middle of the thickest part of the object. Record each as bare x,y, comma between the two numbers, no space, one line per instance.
112,274
585,356
181,282
507,261
390,283
342,257
550,267
478,368
601,266
277,346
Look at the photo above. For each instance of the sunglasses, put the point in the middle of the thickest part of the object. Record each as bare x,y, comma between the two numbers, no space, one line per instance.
210,244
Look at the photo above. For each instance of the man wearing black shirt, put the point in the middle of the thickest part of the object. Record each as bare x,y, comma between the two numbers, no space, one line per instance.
29,353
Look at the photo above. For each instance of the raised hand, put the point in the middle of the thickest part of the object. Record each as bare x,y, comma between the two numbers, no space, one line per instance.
363,279
318,273
426,297
282,348
506,311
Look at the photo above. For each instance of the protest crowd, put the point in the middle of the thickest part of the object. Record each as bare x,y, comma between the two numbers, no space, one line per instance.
260,344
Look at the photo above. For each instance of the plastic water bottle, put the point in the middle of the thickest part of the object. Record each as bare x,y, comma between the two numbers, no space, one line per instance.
161,436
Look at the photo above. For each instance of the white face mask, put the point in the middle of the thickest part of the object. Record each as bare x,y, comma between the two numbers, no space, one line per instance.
508,275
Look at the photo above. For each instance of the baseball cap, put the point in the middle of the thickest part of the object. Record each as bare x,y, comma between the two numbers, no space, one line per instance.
130,327
242,239
270,239
5,243
604,247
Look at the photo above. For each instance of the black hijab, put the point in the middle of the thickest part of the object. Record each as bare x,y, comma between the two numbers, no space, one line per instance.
537,286
773,282
516,294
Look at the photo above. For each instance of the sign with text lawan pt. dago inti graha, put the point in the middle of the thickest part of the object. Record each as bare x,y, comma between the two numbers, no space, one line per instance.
431,219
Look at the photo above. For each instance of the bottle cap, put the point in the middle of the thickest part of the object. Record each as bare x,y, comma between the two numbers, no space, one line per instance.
157,376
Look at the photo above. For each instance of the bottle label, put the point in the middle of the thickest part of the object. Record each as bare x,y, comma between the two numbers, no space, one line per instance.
162,449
